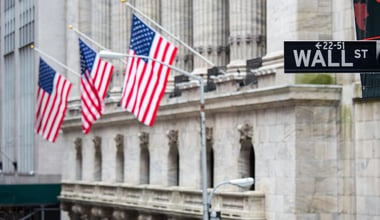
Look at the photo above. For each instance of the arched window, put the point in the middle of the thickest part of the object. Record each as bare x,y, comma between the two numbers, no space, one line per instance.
144,158
210,158
98,159
173,167
210,167
246,161
119,139
173,158
78,159
144,166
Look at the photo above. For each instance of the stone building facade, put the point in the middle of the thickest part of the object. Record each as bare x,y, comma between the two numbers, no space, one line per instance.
309,140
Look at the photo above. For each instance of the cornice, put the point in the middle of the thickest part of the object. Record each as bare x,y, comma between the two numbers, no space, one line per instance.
182,107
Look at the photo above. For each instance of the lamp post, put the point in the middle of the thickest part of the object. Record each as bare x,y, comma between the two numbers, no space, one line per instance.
112,55
243,182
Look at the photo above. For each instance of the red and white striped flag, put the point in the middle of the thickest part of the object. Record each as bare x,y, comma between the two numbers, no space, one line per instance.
145,80
96,75
53,92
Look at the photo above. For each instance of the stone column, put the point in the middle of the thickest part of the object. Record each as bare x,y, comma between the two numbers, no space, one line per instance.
101,22
151,9
84,21
79,16
210,33
176,17
247,32
121,31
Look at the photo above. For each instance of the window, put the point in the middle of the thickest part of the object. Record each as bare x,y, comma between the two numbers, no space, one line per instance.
98,159
144,158
210,166
144,165
173,167
246,160
26,29
9,26
210,157
173,158
119,139
78,159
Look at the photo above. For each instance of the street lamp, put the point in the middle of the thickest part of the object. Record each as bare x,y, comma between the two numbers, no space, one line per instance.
112,55
243,182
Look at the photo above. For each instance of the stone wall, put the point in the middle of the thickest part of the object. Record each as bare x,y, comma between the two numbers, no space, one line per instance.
293,134
314,147
367,159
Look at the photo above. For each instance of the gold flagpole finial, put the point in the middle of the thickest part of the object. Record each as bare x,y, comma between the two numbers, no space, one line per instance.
122,1
32,46
70,26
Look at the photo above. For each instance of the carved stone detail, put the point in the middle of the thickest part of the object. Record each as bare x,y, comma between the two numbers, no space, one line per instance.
66,207
100,212
246,133
212,49
172,137
144,139
249,38
119,139
97,142
209,134
78,144
118,215
83,211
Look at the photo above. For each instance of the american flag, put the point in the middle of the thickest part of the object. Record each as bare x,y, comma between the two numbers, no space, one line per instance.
145,80
53,92
96,75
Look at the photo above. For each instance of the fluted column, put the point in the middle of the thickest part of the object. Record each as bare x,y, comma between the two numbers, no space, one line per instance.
84,18
176,17
150,8
247,32
101,22
120,27
210,33
79,16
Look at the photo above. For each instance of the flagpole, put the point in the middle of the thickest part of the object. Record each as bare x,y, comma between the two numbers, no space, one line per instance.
55,60
87,37
110,55
170,34
90,39
113,55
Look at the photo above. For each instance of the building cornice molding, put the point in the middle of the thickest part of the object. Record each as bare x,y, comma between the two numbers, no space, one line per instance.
262,98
